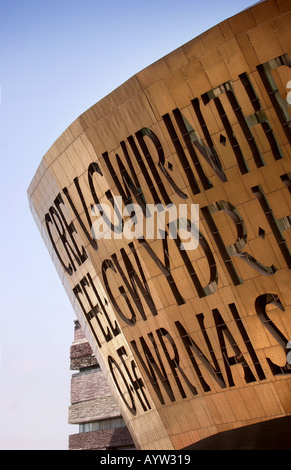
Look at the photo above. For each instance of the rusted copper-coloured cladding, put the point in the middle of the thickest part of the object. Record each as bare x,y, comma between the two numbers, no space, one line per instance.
192,342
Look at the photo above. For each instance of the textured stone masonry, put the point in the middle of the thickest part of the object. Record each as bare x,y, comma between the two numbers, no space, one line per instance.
101,440
91,400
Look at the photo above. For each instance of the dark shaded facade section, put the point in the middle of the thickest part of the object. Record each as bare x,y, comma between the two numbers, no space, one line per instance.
268,435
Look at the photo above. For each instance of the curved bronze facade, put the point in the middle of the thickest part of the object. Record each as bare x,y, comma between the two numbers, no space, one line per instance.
192,342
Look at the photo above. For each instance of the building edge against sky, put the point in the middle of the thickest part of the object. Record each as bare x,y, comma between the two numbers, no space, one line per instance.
192,343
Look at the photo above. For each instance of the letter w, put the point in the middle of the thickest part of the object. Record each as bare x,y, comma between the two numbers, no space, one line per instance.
153,368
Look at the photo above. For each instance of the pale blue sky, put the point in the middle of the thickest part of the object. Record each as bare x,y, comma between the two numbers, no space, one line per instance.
57,58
